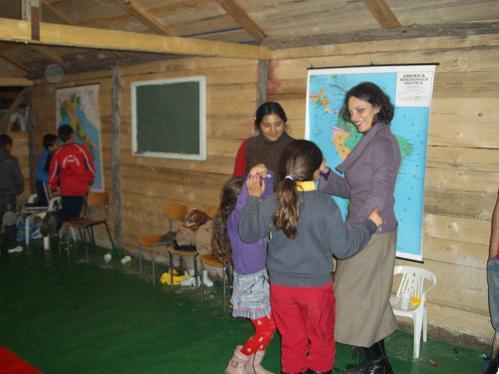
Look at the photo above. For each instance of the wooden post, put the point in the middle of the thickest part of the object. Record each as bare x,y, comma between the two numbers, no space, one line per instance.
261,83
115,155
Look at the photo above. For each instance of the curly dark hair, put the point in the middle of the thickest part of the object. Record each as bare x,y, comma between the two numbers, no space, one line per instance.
220,240
375,96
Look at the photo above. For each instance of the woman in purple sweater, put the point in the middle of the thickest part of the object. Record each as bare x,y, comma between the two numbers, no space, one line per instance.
363,283
250,291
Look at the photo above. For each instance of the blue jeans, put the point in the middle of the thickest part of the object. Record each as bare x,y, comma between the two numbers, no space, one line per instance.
493,280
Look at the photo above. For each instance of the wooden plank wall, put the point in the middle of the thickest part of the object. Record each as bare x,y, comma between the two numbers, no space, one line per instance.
148,184
462,174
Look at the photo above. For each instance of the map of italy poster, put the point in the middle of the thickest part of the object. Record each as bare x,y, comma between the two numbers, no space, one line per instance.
79,108
410,90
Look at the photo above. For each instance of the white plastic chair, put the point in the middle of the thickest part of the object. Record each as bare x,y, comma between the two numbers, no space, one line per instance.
413,282
39,212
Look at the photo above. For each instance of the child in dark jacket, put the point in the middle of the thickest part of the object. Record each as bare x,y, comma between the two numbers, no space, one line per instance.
305,229
11,185
250,292
50,145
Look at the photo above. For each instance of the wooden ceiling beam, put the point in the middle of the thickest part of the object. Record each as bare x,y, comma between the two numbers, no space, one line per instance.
15,63
10,81
31,12
143,15
62,16
56,12
86,37
243,19
48,53
383,13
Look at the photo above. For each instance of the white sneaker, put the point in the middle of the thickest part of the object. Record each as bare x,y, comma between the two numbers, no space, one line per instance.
18,249
207,281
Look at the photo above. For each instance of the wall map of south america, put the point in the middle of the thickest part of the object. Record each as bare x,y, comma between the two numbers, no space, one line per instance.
410,91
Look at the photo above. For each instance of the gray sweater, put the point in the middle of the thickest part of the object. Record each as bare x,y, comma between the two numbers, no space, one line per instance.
306,260
370,175
11,177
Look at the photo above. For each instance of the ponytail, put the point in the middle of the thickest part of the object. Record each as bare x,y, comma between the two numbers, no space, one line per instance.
288,209
298,163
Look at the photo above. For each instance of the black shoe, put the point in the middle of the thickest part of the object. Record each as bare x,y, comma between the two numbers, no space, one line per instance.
378,362
379,366
362,354
491,367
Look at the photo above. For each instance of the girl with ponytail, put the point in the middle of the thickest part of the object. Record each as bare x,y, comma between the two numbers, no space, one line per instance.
305,230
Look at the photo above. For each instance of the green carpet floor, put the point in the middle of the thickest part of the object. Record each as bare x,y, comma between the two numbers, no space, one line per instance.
71,316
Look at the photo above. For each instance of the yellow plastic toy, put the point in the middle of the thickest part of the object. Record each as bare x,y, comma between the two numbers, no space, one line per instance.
165,278
415,300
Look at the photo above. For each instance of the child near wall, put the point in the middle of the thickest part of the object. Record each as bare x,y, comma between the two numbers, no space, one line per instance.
11,185
305,229
250,295
50,145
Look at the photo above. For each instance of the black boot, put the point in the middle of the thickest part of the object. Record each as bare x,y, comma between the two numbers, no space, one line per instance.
378,360
360,353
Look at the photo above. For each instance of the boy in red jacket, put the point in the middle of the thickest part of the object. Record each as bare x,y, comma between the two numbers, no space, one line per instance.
72,171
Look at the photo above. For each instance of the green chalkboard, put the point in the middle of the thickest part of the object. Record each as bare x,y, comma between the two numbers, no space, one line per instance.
168,118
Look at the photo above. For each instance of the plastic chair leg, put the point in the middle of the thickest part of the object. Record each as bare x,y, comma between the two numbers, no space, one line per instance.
417,335
27,223
46,243
425,324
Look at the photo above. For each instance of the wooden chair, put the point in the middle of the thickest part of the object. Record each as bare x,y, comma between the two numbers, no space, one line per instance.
175,212
182,255
211,260
86,222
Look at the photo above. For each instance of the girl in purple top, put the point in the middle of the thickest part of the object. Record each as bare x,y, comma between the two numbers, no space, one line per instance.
250,292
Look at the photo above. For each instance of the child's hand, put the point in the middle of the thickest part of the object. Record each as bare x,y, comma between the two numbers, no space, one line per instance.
323,168
259,169
256,185
376,217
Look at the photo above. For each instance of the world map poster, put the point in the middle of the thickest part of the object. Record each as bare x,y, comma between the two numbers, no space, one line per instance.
410,90
79,108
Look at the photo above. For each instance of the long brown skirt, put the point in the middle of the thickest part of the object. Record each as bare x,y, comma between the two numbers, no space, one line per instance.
362,286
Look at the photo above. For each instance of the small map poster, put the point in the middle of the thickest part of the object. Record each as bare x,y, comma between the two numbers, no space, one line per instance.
79,108
410,90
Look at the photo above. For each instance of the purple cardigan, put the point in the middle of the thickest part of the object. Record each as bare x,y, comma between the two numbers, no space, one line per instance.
370,172
247,258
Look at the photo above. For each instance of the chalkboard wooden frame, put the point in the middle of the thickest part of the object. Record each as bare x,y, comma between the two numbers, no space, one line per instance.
169,118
